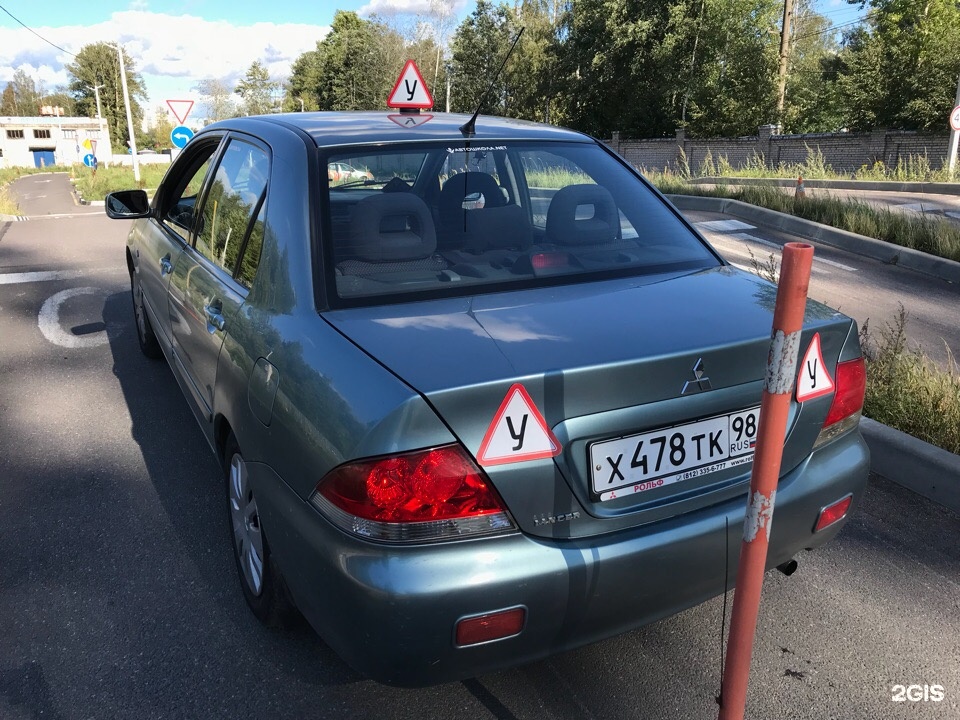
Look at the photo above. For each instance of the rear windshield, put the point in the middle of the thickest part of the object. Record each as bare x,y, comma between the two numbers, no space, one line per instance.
409,221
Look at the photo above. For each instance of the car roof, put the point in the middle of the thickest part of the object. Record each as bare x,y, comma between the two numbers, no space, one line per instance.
330,129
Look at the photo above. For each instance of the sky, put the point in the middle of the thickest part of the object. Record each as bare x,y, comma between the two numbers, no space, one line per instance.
176,44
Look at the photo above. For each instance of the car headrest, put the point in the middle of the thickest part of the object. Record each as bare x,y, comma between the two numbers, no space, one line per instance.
582,215
392,227
459,186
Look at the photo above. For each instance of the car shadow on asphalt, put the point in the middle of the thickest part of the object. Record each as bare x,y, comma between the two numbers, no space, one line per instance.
187,481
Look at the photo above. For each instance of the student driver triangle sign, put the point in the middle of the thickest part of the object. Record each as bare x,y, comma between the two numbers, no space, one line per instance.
814,380
410,91
518,432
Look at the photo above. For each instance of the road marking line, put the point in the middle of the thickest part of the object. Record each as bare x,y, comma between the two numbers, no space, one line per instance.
723,225
49,322
59,216
835,264
29,277
753,238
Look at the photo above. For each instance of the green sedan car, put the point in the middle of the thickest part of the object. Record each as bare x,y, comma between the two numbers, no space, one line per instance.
493,400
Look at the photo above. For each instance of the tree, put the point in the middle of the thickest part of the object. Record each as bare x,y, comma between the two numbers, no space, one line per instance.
97,64
218,99
257,90
158,136
479,46
20,97
900,69
812,100
353,68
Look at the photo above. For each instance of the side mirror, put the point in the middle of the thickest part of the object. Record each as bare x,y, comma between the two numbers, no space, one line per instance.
127,205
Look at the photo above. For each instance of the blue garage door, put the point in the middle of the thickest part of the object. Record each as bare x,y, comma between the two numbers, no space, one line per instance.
43,158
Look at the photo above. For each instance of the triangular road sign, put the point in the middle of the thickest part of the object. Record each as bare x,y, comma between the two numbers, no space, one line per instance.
410,91
180,109
518,432
814,379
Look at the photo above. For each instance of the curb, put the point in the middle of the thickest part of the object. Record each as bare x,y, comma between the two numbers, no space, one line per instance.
914,464
880,185
942,268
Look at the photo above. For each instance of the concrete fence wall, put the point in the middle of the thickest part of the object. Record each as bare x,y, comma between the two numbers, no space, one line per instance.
844,152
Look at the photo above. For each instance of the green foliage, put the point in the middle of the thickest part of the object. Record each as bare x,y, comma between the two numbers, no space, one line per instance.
217,99
109,179
906,390
479,46
20,97
98,65
353,68
257,90
900,71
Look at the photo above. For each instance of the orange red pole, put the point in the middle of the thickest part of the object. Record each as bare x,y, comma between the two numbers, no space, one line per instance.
772,427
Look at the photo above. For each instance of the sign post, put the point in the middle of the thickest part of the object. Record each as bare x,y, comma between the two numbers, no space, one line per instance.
954,136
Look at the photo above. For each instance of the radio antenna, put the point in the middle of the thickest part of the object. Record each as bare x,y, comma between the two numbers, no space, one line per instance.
468,127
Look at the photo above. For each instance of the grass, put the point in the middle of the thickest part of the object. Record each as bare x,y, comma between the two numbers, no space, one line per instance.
110,179
906,390
913,168
932,235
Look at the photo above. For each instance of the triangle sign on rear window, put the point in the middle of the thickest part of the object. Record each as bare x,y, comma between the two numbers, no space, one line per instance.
518,432
814,380
410,91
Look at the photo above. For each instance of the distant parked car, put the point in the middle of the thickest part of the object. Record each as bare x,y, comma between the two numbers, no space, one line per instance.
341,172
498,403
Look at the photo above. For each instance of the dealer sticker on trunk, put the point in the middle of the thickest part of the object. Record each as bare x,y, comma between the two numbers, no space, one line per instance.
651,460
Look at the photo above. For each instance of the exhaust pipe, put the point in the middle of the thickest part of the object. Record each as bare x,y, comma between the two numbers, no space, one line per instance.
788,568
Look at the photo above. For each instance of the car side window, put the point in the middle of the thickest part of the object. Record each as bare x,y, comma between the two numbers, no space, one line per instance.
238,185
180,214
251,253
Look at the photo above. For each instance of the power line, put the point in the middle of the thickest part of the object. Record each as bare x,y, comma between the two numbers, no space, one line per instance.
36,33
832,28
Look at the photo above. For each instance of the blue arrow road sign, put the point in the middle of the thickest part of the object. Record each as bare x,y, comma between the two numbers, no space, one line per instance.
181,135
88,159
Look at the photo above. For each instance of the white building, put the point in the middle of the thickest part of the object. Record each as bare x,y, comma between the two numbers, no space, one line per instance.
40,141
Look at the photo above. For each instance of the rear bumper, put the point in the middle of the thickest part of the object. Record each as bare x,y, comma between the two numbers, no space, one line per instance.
390,612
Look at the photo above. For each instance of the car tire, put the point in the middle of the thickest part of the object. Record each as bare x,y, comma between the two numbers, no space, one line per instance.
263,585
149,345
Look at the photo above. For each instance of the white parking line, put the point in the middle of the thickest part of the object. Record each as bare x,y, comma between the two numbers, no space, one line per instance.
835,264
723,225
29,277
753,238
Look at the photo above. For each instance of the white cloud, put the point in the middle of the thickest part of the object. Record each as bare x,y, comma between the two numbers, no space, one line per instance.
172,53
405,7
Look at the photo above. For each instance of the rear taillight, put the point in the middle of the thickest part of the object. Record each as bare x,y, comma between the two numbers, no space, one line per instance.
422,496
844,413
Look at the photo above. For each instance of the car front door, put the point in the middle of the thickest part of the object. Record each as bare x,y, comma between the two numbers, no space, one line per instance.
205,292
160,243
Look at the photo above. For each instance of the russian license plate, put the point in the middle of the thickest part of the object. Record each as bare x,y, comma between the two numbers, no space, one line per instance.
651,460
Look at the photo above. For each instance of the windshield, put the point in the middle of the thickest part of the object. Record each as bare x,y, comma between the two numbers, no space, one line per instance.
461,218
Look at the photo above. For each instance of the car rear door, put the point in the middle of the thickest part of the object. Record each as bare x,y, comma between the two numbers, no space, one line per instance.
205,292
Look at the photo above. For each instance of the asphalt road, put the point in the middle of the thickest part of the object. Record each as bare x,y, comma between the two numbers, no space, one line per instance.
119,596
863,288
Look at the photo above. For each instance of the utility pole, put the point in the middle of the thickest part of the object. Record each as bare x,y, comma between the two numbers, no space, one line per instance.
954,137
96,92
784,56
126,100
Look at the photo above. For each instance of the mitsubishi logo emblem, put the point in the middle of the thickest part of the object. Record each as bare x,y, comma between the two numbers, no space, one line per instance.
700,382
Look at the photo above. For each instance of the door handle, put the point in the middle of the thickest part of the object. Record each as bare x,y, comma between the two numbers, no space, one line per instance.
166,267
215,319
